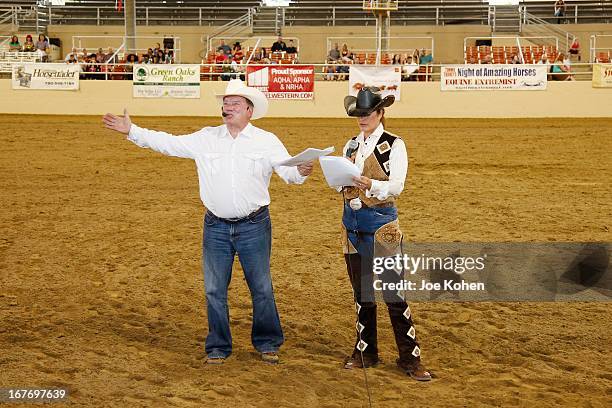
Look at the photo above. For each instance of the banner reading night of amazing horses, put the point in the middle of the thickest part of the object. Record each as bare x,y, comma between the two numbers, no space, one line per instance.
493,77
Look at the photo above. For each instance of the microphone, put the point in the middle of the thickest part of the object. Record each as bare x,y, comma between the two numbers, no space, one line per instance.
223,113
352,148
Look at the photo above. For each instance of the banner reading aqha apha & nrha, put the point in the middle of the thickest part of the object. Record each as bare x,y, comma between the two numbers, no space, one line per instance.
282,82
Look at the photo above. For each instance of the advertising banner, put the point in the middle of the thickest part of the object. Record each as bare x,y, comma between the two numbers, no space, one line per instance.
487,77
166,81
283,82
45,76
602,75
388,79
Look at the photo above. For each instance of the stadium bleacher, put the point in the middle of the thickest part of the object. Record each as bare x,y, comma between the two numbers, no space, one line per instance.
305,12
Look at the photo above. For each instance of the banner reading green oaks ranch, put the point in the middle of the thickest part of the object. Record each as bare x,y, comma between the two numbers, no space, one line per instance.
166,81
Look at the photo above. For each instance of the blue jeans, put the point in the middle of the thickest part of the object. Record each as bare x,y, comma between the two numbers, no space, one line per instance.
361,226
366,221
251,239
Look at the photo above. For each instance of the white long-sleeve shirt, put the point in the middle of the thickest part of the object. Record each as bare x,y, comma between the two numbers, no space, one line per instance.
398,164
234,174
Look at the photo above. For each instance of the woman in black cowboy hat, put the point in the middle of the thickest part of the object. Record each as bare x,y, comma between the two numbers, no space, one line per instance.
372,228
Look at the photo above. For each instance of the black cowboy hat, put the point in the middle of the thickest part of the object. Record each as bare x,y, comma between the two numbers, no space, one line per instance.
367,101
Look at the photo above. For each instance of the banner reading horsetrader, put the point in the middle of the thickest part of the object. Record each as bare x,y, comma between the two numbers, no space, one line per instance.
388,79
602,75
283,82
45,76
166,81
493,77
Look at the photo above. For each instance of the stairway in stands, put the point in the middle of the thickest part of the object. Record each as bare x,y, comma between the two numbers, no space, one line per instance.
505,20
268,20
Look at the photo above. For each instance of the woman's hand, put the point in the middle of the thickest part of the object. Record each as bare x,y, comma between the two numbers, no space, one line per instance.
306,168
363,183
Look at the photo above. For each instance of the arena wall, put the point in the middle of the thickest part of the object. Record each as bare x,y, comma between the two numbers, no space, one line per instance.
448,39
419,100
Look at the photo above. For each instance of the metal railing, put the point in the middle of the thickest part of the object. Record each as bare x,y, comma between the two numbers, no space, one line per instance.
594,47
78,42
425,73
535,25
332,15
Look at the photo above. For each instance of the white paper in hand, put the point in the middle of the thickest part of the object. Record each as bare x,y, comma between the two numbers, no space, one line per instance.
339,171
306,156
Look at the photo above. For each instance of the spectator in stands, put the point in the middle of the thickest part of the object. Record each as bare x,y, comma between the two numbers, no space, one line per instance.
343,69
42,45
237,52
397,59
91,67
279,45
28,45
409,68
486,59
227,69
226,49
334,53
330,71
169,55
130,61
14,45
560,71
157,48
515,59
567,62
109,55
543,60
71,58
425,57
150,53
161,57
291,48
559,10
100,56
220,57
72,53
416,56
575,48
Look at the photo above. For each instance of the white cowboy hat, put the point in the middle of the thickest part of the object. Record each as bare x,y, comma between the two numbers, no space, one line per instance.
238,88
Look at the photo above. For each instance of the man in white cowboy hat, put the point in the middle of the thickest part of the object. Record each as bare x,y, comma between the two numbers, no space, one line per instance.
235,162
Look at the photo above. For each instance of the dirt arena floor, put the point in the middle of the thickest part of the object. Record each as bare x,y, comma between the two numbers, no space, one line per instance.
101,289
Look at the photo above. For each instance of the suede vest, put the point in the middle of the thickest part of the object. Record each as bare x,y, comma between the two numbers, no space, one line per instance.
375,167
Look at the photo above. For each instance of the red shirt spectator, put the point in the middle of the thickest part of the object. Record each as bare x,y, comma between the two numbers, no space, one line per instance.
220,57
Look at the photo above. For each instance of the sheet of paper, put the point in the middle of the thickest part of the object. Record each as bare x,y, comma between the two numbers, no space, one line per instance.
339,171
306,156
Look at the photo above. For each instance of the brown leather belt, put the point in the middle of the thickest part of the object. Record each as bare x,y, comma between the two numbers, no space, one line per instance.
381,205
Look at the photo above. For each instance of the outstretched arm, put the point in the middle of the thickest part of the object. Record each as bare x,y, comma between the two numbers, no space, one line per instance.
165,143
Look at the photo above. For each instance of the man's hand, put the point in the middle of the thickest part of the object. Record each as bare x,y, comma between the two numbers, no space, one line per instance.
363,183
118,123
306,168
